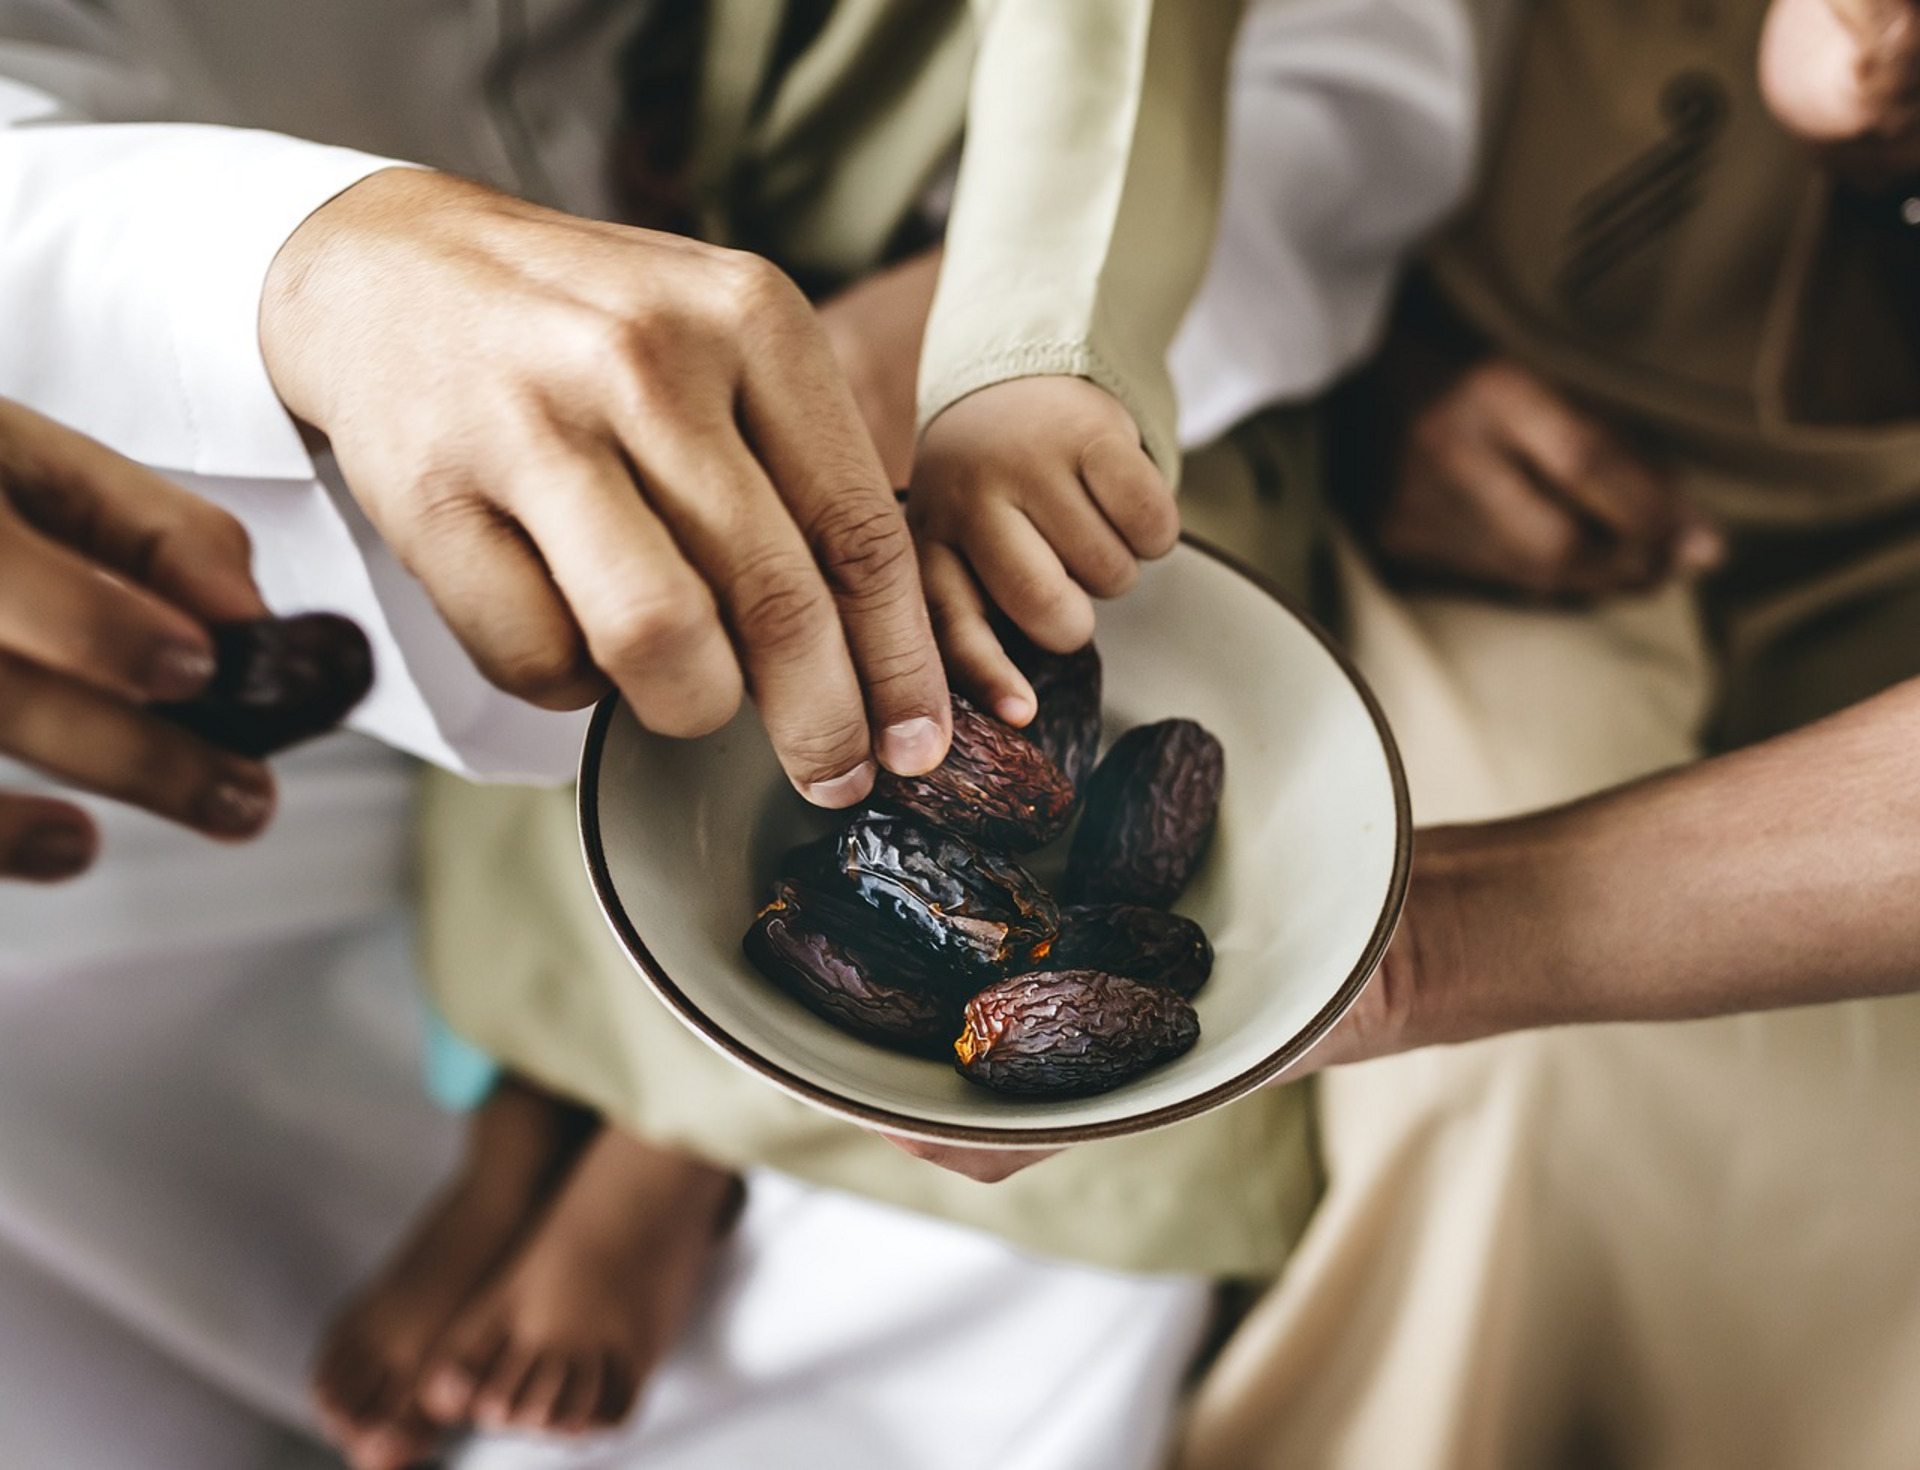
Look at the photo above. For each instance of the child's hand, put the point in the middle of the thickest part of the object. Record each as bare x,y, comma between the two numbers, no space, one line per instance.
1030,496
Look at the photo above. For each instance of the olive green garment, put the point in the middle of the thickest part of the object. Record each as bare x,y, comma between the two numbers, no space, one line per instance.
522,963
1648,237
1088,188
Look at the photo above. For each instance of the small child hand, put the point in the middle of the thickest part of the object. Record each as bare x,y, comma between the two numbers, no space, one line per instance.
1031,496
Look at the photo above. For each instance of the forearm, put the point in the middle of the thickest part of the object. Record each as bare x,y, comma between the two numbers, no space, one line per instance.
1785,874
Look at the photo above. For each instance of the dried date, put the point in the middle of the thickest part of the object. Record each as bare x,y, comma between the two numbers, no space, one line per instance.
1070,1033
1150,812
971,906
812,946
995,786
1150,945
278,681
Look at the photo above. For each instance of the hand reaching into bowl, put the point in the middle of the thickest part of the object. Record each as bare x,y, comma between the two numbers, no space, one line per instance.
108,578
614,456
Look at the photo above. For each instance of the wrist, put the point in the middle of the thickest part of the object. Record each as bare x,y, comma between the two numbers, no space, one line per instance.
304,277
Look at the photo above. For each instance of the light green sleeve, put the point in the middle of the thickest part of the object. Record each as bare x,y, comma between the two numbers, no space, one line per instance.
1087,199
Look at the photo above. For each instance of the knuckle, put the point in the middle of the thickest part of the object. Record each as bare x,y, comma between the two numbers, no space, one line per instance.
862,547
552,676
1109,571
826,752
754,287
647,628
781,608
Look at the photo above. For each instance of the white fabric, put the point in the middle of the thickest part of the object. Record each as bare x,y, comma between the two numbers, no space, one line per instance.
1350,132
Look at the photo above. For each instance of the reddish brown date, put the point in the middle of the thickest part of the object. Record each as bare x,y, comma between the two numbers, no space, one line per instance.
995,786
813,946
1070,1033
970,906
278,681
1152,946
1150,812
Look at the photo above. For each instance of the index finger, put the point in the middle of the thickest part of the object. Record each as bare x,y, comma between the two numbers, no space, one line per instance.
801,419
133,521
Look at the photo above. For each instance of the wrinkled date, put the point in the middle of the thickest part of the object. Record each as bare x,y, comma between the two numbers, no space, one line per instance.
278,681
823,952
972,907
1150,811
995,786
1071,1032
1152,946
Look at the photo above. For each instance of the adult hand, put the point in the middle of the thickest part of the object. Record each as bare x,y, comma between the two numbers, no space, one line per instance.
610,453
1501,481
1845,75
107,574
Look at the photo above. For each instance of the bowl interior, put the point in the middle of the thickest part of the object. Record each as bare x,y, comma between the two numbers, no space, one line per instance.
1299,891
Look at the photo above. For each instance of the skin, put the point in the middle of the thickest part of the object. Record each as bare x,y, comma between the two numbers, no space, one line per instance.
522,1143
614,455
1033,496
108,577
564,1339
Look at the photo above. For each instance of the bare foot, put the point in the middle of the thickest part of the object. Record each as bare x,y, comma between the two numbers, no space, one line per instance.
521,1143
563,1340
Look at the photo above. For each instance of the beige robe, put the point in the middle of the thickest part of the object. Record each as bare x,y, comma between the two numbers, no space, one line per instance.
1674,1246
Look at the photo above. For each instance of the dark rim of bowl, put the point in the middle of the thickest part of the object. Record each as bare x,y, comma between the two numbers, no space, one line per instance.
1027,1136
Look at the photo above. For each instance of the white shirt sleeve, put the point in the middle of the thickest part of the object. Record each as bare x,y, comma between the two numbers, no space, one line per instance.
132,258
1351,131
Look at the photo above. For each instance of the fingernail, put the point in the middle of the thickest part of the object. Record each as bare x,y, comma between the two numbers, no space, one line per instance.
841,790
178,671
53,850
236,806
912,747
1016,709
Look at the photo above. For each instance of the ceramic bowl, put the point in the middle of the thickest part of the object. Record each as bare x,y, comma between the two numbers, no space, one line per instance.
1299,891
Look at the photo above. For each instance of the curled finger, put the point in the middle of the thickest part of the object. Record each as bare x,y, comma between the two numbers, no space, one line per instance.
817,455
1132,493
976,661
1025,579
746,548
72,731
59,610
